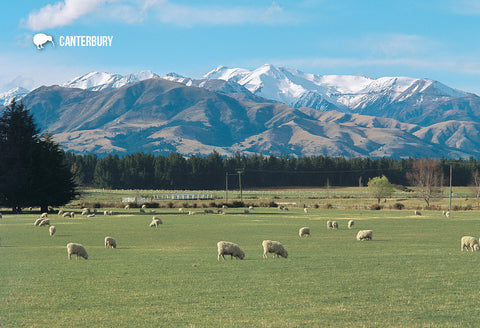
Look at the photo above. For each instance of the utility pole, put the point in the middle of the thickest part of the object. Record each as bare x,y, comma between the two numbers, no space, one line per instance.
226,186
450,199
240,184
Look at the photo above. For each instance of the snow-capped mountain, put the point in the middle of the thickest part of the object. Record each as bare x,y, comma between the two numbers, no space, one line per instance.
102,81
384,96
18,93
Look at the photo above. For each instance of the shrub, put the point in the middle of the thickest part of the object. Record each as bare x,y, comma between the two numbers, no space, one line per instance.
327,206
376,207
398,206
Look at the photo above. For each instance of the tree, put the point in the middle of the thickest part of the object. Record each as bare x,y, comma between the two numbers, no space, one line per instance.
425,176
32,169
380,187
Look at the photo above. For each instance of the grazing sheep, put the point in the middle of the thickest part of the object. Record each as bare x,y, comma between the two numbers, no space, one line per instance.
60,212
86,211
274,247
350,224
72,214
144,206
44,222
220,212
110,242
443,213
77,249
52,230
67,214
127,207
334,225
364,235
191,213
245,211
38,221
228,248
447,214
44,215
417,212
91,215
224,206
180,210
105,212
304,232
250,207
469,242
305,210
142,210
329,225
155,222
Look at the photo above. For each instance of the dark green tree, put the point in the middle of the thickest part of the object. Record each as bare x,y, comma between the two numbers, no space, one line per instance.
32,169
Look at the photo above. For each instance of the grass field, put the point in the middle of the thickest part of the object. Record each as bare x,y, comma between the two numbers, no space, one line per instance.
412,274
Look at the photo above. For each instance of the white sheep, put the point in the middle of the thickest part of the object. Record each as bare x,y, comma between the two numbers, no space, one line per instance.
44,215
334,225
228,248
67,214
110,242
155,222
305,210
52,230
91,215
250,207
72,214
37,222
127,207
304,232
447,214
417,212
364,235
191,213
77,249
144,206
44,222
85,211
350,224
443,213
329,225
275,247
224,207
469,242
60,212
180,210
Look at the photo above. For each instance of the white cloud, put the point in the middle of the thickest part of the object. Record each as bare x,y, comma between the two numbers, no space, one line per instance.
395,45
62,13
163,11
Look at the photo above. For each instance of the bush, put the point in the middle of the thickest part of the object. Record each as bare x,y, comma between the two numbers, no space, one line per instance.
170,205
398,206
327,206
376,207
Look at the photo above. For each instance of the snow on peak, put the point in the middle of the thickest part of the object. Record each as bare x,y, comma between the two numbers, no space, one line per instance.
105,81
18,93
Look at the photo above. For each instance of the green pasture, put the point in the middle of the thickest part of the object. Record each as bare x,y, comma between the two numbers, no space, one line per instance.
412,274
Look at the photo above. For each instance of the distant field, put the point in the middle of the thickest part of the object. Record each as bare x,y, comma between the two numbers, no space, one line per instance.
336,197
412,274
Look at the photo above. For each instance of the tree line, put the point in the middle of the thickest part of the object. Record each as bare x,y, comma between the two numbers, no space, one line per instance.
174,171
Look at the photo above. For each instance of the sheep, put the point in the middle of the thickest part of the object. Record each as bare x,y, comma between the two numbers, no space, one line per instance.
245,211
208,211
72,214
469,242
52,230
85,211
110,242
329,225
228,248
364,235
350,224
44,215
334,225
67,214
44,222
180,210
443,213
105,212
417,212
60,212
447,214
77,249
155,222
142,210
274,247
144,206
191,213
91,215
127,207
224,207
250,207
305,210
38,221
304,232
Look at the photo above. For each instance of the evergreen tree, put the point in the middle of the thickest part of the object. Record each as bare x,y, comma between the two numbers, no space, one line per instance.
32,170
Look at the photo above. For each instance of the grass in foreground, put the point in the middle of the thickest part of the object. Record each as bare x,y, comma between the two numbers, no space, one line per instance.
412,274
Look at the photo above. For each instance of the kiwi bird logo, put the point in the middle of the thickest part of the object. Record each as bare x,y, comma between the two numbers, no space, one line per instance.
41,38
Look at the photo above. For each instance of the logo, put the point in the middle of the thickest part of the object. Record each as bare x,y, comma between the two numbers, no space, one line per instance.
40,39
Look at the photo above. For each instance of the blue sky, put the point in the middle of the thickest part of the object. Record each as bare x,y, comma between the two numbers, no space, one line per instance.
437,39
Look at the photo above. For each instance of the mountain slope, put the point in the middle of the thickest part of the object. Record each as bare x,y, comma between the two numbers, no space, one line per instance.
161,116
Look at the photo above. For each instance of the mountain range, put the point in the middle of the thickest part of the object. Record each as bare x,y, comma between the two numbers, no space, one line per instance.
270,110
